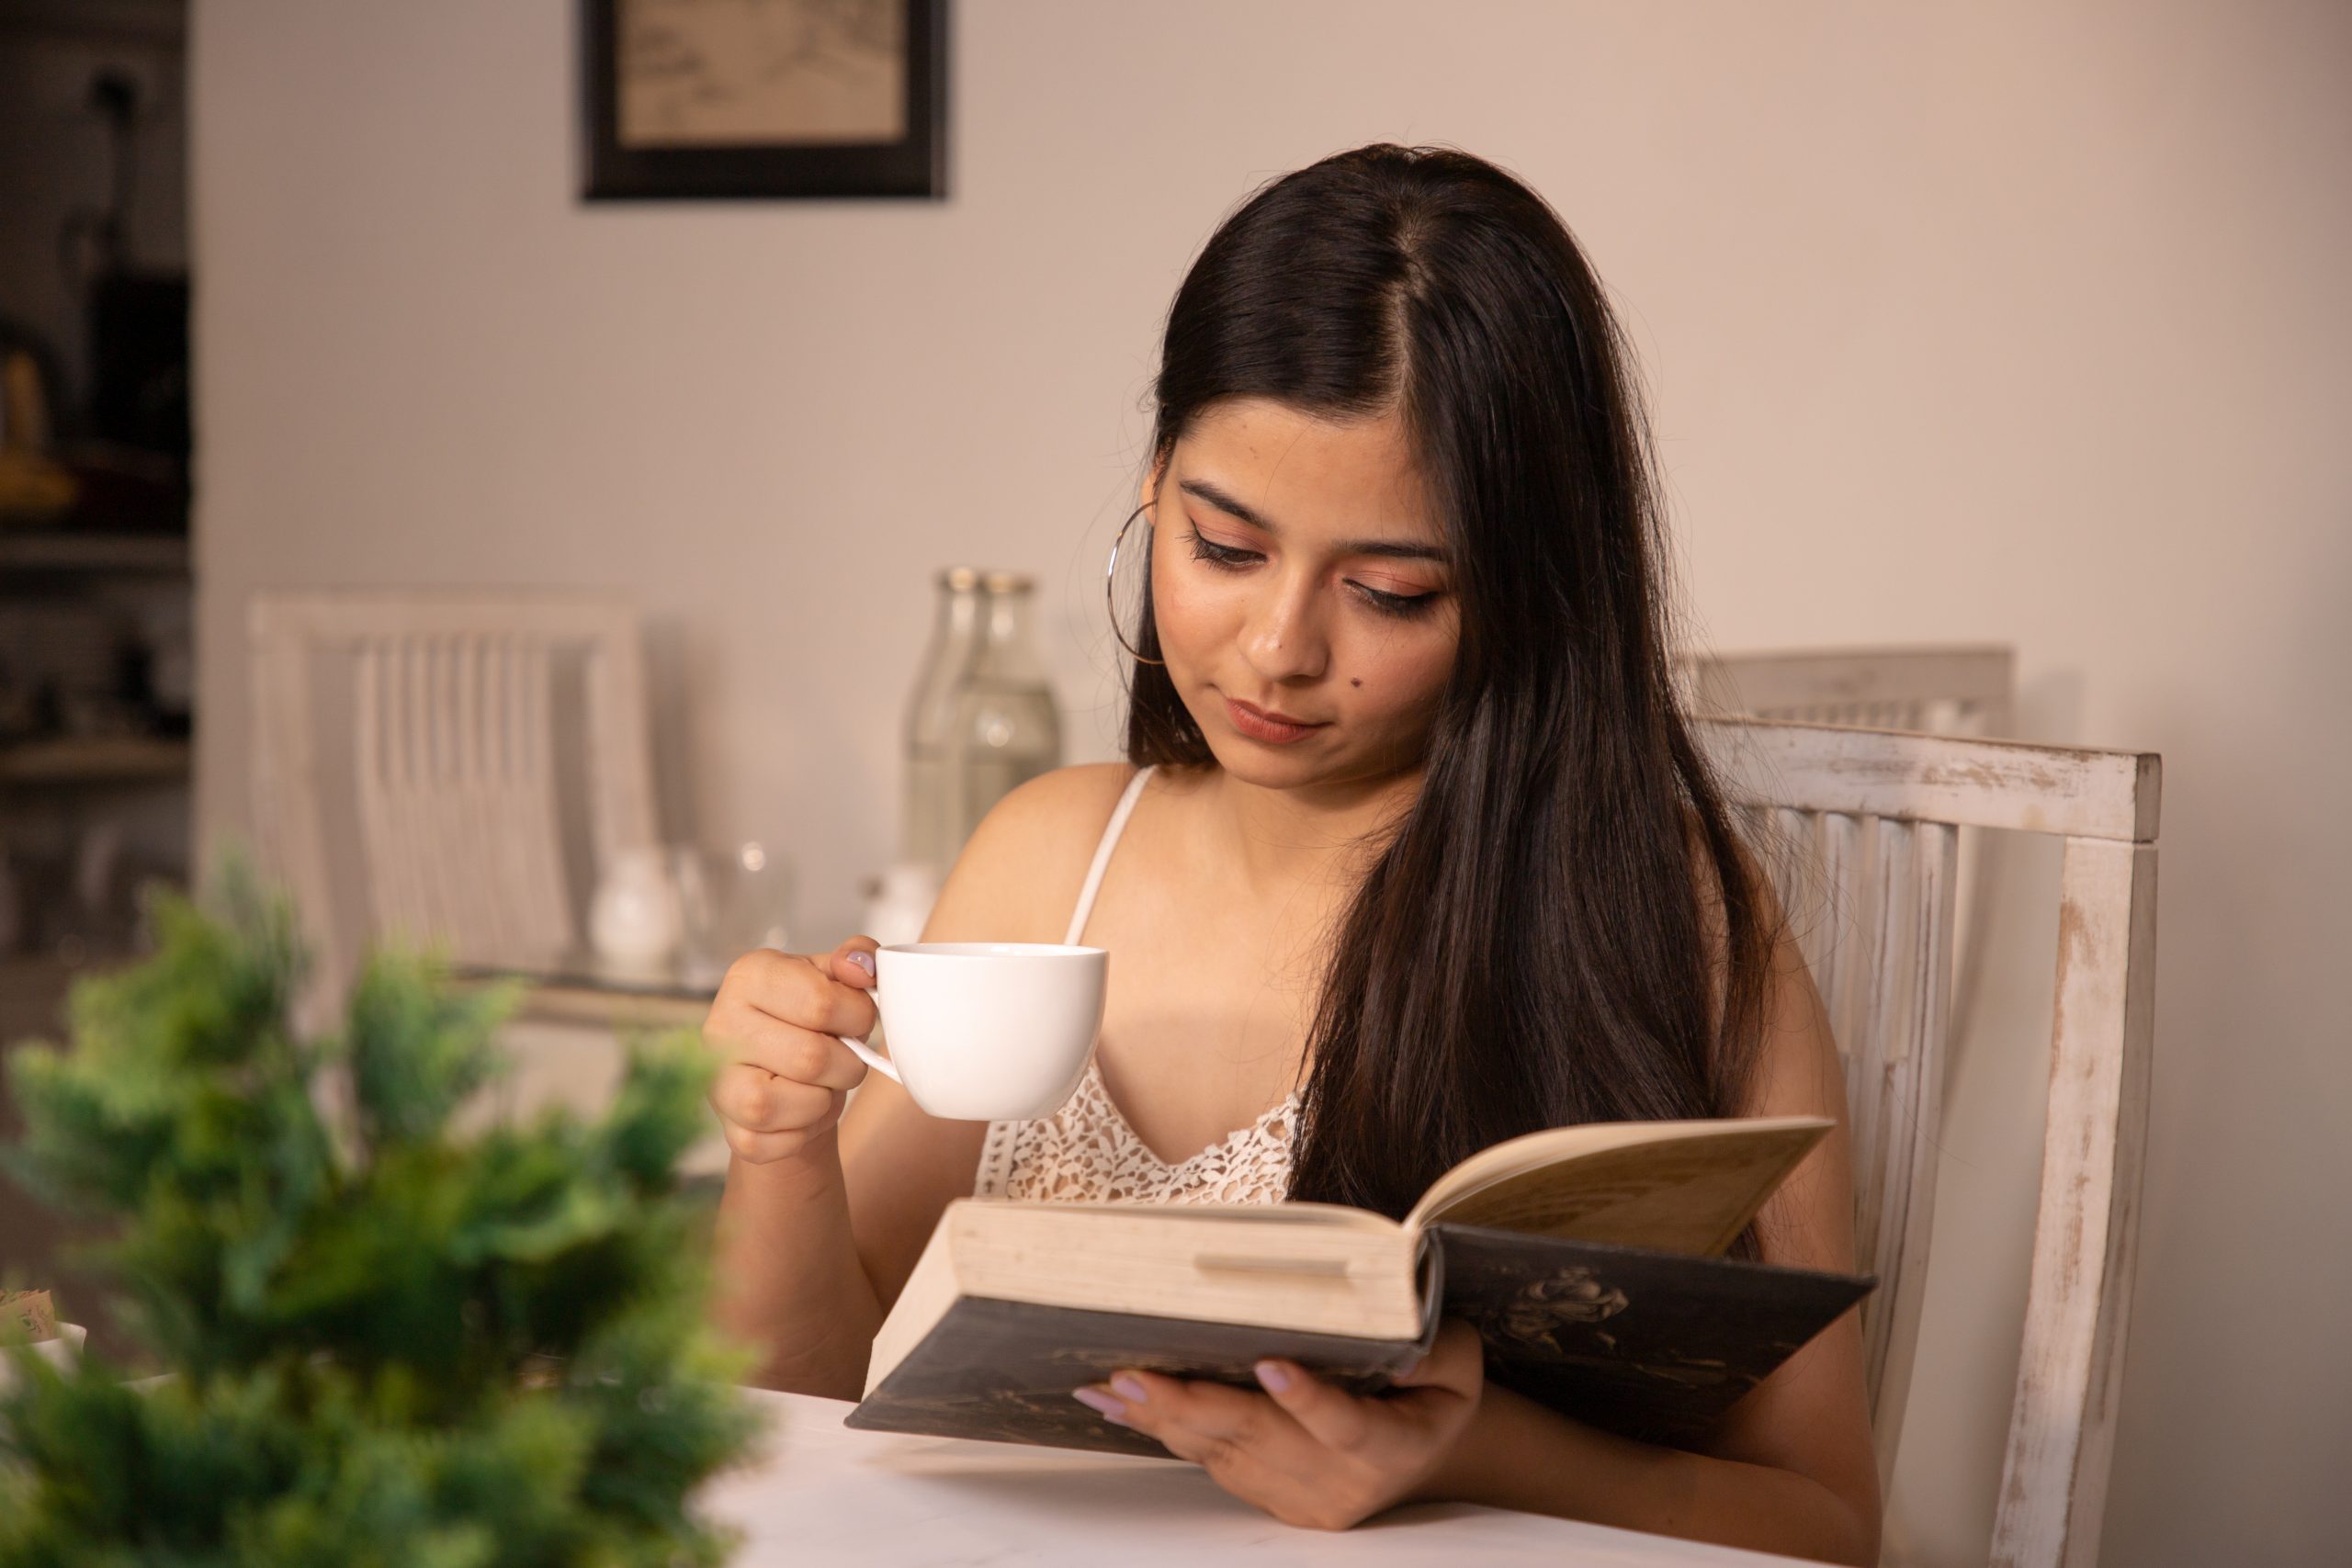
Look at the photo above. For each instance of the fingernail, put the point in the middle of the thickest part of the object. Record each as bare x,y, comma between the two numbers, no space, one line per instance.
1276,1380
1129,1390
865,961
1102,1403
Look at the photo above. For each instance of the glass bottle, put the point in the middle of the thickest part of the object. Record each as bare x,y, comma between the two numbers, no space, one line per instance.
1007,729
926,807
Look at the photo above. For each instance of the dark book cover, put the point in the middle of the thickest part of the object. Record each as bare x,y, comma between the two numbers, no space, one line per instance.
1653,1345
1003,1371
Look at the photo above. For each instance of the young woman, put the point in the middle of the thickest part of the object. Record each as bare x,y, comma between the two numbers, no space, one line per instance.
1413,854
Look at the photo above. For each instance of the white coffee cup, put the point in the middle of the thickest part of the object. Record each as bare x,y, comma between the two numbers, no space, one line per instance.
986,1030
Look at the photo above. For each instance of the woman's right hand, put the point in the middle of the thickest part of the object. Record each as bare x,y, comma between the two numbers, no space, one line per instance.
784,1078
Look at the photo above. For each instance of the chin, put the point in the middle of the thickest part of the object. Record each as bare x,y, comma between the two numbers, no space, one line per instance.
1255,765
1275,767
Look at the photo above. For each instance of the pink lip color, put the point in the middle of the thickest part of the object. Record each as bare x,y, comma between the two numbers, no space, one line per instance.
1258,726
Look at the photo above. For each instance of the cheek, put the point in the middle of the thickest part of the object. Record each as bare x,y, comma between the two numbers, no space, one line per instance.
1192,614
1399,678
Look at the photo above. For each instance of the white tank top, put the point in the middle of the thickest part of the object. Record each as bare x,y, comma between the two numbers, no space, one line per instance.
1085,1152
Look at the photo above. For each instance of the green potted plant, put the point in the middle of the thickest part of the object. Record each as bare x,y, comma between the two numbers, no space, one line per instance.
391,1343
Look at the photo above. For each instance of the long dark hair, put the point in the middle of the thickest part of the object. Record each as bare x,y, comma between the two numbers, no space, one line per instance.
1527,950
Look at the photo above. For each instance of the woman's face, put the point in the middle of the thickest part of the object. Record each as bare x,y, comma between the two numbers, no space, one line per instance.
1297,569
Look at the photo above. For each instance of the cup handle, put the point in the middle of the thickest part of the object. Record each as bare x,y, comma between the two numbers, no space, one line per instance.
866,1053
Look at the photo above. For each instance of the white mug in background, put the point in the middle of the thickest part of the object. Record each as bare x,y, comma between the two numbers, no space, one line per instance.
986,1030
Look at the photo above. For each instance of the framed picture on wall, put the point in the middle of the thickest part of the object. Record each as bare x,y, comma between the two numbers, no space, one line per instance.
729,98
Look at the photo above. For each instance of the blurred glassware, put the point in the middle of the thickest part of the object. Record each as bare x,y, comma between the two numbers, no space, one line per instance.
698,958
926,834
898,903
752,904
634,919
1006,727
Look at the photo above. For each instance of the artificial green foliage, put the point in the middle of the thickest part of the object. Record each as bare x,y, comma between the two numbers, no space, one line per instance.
394,1344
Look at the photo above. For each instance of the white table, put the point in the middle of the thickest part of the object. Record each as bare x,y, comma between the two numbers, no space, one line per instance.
822,1493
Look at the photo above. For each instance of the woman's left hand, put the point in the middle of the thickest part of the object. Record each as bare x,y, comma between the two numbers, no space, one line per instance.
1306,1451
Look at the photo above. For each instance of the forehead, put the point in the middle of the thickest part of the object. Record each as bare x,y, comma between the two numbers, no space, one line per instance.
1300,469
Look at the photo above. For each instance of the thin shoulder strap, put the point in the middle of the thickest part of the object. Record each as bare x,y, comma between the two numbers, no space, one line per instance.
1103,857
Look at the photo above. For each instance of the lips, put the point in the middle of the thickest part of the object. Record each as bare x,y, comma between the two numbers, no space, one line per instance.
1261,724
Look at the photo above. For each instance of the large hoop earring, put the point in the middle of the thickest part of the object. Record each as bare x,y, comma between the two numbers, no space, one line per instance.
1110,575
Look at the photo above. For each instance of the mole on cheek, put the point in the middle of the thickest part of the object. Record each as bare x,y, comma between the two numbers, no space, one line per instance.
1354,682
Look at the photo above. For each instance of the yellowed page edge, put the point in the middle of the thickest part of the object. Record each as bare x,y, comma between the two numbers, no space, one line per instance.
1565,1146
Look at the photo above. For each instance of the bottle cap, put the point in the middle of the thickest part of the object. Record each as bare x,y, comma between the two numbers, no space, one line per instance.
1010,581
960,578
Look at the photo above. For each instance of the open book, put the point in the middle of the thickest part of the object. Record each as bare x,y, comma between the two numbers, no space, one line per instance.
1589,1258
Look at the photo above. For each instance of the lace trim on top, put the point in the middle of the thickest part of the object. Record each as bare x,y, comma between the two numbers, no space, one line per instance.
1086,1152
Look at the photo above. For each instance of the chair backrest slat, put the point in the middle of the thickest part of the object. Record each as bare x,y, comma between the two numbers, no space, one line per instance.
1870,902
2012,786
458,846
2079,1293
1902,1085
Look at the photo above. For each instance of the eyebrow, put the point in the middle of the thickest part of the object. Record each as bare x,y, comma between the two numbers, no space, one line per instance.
1398,549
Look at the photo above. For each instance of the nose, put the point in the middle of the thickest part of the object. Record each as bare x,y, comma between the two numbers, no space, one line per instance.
1283,639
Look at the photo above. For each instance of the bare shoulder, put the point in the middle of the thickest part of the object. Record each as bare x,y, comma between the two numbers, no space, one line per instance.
1057,816
1018,877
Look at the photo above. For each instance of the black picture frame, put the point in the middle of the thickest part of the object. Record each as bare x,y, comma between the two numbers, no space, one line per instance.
915,165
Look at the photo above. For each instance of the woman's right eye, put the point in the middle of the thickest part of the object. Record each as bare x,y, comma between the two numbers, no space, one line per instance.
1216,554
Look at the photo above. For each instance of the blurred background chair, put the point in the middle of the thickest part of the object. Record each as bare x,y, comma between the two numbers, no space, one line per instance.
451,768
1862,832
1964,689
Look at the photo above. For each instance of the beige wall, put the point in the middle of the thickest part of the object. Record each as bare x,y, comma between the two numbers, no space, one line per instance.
2019,320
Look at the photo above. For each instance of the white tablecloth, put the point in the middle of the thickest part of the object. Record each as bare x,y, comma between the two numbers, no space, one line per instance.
823,1494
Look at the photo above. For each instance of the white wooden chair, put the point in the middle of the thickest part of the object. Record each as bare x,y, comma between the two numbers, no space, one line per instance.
432,765
1859,828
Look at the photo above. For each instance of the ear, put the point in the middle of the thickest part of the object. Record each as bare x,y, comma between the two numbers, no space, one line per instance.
1148,495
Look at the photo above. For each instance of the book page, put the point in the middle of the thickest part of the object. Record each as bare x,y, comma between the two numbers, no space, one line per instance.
1674,1186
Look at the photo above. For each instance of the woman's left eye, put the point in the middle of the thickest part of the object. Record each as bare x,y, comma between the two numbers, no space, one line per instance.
1395,604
